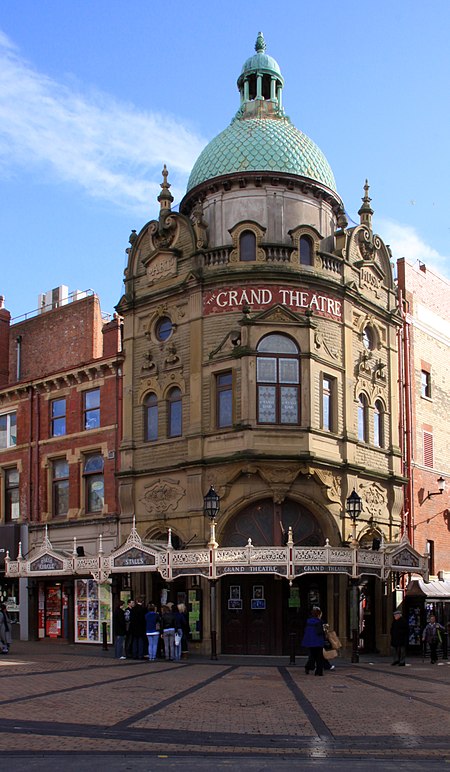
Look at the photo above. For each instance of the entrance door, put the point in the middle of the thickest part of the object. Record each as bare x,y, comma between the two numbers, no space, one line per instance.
251,615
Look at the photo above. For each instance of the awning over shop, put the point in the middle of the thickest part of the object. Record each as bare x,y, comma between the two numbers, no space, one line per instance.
433,591
213,562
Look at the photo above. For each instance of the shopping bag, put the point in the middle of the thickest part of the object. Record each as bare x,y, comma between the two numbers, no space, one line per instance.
329,653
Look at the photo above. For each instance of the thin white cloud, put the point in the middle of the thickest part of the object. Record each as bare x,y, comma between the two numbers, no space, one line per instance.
406,242
113,151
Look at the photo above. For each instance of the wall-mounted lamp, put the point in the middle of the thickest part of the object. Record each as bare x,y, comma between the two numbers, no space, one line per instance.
441,486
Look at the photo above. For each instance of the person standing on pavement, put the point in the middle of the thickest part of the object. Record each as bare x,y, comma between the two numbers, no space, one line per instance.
120,630
399,638
138,629
314,640
5,629
153,624
128,641
432,635
168,627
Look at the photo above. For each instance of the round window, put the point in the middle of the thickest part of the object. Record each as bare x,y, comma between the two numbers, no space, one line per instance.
164,328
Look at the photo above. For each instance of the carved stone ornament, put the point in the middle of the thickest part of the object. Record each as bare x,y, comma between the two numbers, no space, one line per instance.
148,365
200,227
161,266
162,496
320,342
374,499
172,357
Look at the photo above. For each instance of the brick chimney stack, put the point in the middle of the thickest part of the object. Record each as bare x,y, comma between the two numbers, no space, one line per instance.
112,342
5,320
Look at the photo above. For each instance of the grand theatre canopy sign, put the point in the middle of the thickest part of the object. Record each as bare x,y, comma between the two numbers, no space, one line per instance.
213,562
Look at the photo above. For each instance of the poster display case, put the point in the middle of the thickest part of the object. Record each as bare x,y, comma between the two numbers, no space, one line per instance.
93,606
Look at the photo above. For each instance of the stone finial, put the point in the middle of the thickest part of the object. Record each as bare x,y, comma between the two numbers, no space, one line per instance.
2,301
366,211
165,198
260,45
132,237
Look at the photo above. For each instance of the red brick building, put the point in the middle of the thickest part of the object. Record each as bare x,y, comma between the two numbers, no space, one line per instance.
60,405
425,300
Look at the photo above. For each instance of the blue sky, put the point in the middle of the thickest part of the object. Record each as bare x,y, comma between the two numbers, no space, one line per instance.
96,96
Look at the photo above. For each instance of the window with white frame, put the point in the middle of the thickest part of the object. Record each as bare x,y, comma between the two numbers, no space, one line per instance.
60,487
91,409
8,430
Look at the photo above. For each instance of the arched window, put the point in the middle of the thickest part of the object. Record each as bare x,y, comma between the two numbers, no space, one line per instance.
363,423
174,413
278,380
378,424
151,418
94,482
247,247
306,251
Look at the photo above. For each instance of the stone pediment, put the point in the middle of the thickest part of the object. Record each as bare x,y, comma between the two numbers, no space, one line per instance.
279,314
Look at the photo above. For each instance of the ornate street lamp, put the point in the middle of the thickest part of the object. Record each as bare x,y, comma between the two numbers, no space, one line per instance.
353,509
441,488
211,506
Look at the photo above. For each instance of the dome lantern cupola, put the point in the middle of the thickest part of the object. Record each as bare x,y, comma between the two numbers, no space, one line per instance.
261,79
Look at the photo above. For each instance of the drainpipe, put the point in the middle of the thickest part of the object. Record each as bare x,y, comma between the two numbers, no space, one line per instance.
18,357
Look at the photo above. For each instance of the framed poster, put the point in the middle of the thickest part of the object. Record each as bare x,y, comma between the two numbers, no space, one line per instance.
93,606
195,615
234,604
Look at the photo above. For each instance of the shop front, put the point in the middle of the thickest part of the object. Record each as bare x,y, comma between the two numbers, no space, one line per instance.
255,598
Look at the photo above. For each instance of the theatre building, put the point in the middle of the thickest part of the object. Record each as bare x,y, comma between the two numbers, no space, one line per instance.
261,358
60,388
260,468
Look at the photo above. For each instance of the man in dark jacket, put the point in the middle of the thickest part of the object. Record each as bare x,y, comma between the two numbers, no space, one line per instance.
138,629
399,638
120,630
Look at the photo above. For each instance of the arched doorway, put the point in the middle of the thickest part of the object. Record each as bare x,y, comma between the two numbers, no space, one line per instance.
260,611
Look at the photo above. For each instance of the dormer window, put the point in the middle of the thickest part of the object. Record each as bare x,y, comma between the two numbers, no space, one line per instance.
247,247
306,250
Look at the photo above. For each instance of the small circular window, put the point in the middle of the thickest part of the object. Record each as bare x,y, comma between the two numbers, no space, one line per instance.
164,328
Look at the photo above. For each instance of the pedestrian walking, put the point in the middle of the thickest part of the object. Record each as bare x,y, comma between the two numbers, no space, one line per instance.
153,626
432,636
314,640
399,638
120,630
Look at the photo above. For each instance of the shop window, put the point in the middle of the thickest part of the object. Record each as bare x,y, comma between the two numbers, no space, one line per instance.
224,399
57,417
174,413
425,384
60,487
12,506
306,250
150,418
278,380
164,328
328,403
378,424
91,409
94,482
8,430
363,416
247,247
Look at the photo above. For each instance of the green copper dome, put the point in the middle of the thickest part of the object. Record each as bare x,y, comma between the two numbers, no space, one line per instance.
260,138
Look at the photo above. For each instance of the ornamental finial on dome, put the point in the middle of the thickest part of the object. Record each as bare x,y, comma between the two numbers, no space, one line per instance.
366,211
260,45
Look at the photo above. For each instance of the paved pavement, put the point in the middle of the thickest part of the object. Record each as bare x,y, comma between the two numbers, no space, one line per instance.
76,706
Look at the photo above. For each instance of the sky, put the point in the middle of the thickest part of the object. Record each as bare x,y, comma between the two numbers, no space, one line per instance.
96,95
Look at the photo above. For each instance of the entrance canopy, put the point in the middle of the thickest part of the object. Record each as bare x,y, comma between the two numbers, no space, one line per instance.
213,562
